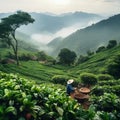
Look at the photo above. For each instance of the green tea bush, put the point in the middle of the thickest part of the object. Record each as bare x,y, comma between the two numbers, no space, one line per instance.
113,67
108,102
100,90
97,90
21,99
101,115
60,79
110,82
104,77
88,79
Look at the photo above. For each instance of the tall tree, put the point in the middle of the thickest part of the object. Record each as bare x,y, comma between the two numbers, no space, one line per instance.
66,56
111,44
8,28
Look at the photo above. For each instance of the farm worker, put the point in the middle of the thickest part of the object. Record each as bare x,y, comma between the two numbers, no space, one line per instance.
70,88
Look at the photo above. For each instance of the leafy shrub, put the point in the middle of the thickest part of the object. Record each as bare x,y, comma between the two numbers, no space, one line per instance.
82,59
104,77
88,79
26,57
108,102
60,79
116,90
111,44
101,115
110,82
97,91
10,55
89,53
101,48
114,66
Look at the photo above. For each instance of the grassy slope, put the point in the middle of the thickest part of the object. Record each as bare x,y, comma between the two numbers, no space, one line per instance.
98,62
5,52
36,71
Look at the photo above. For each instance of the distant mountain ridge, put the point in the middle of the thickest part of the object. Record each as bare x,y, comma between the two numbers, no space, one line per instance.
51,23
92,37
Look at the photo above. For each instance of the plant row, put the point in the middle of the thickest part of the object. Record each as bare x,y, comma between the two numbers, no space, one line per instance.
21,99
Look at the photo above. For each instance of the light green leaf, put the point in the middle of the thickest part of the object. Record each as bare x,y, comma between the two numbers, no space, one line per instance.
11,109
59,110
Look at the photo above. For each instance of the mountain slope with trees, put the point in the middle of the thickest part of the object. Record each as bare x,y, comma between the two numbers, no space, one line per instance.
97,63
92,37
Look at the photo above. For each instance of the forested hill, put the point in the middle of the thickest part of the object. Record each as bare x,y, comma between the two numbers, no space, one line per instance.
92,37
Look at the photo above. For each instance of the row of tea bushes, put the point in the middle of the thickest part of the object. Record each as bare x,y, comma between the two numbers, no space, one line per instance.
21,99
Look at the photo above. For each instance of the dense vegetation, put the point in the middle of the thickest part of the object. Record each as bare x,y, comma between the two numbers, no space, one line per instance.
21,99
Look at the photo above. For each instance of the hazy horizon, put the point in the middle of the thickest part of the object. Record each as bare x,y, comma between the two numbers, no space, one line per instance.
57,7
102,7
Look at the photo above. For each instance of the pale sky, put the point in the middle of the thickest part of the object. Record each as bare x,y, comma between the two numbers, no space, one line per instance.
104,7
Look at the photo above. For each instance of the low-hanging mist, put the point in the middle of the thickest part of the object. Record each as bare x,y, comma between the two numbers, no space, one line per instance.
48,37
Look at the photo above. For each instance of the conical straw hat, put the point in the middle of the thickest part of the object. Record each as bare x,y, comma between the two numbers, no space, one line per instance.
70,81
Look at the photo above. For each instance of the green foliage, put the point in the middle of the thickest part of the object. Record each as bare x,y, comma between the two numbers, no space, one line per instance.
26,57
8,28
82,59
101,115
114,66
3,44
36,71
41,56
104,77
89,53
21,99
111,44
108,102
88,78
100,90
109,83
66,56
101,48
60,79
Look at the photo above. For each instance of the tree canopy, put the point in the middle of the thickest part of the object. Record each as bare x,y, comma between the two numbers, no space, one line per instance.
111,44
8,28
66,56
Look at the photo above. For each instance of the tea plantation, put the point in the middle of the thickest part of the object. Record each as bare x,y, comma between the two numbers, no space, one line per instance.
27,91
21,99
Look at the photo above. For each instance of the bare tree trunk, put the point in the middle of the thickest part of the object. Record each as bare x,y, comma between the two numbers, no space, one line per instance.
15,48
15,53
